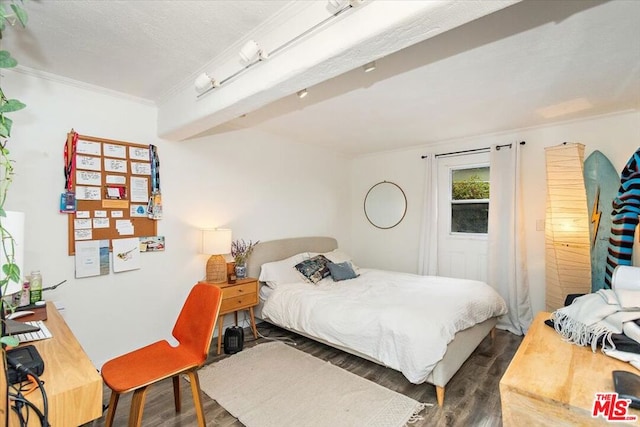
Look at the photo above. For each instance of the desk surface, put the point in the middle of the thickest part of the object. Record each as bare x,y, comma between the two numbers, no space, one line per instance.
72,383
552,380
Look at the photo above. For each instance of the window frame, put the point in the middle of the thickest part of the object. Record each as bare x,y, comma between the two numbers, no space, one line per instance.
462,234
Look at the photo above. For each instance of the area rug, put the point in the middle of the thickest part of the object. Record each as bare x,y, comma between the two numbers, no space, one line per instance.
275,385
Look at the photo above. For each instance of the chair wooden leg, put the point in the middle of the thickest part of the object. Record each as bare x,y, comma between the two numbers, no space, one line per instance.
440,395
137,406
177,400
111,412
197,397
220,323
493,333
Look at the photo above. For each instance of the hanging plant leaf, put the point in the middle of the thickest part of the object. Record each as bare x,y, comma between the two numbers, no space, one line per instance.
9,341
21,14
11,105
6,60
12,271
5,127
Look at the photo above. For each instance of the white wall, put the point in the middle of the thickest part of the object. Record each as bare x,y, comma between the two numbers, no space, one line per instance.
616,135
258,185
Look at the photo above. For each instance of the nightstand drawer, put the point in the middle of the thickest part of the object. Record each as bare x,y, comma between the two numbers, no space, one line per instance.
239,290
238,302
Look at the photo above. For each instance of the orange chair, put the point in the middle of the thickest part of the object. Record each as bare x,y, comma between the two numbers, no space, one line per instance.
137,370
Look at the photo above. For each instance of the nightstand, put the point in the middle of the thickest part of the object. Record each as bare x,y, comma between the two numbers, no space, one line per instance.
242,295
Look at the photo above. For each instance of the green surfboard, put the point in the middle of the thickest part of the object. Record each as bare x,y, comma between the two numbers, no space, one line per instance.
602,182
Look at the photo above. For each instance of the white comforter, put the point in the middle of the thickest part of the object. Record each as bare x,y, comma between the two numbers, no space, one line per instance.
401,320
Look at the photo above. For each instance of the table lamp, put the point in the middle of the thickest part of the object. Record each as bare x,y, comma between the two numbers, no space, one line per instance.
215,243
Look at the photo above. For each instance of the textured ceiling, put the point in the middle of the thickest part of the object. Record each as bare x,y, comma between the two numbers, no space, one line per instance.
139,47
529,64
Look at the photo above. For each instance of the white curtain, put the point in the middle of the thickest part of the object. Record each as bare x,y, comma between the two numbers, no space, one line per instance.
507,271
428,256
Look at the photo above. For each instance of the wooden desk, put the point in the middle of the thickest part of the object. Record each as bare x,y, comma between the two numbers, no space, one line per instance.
551,382
72,383
242,295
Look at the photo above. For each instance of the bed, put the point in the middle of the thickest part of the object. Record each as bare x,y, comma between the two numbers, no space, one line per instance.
420,345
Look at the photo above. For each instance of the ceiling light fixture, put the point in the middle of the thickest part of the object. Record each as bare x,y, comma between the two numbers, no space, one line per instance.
302,93
204,82
251,52
336,6
369,67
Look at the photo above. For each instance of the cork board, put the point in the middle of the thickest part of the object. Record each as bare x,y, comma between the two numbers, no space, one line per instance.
111,180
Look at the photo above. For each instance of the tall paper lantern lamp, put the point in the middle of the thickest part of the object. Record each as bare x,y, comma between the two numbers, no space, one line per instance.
567,245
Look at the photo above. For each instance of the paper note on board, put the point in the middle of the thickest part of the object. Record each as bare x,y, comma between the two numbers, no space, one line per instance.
92,258
138,210
82,224
126,254
114,165
140,168
82,234
139,189
88,147
87,258
116,179
88,163
139,153
114,150
88,178
100,222
87,193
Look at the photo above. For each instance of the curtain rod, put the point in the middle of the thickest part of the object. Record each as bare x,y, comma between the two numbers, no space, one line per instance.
475,150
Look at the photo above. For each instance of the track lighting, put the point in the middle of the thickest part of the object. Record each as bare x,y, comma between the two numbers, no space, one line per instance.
369,66
204,82
335,6
302,93
252,51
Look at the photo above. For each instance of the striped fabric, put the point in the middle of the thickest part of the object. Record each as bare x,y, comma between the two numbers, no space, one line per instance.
626,208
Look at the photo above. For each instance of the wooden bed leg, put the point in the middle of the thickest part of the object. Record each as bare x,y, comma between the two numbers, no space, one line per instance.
493,333
440,395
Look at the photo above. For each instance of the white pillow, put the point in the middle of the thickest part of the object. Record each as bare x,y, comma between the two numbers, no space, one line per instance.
283,271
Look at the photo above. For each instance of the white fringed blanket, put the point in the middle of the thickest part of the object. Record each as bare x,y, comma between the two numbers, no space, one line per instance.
592,318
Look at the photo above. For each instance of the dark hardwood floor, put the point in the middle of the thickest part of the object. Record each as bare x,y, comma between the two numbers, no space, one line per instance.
472,396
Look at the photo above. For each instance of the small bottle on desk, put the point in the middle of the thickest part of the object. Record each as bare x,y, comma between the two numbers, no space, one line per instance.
25,296
35,287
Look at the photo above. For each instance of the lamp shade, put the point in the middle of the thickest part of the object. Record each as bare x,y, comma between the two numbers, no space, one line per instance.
567,244
216,242
13,223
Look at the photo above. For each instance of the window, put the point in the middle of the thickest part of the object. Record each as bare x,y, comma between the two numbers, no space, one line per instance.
470,200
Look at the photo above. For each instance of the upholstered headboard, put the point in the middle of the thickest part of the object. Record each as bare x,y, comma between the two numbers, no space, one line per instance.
275,250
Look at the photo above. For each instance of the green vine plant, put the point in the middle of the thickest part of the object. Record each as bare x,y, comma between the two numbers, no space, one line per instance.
12,15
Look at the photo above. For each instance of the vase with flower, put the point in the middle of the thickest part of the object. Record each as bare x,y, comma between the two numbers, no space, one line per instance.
240,251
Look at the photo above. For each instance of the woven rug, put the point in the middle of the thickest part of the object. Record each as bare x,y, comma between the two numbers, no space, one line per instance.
275,385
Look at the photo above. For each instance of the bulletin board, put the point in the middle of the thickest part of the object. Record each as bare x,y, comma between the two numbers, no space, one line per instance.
112,183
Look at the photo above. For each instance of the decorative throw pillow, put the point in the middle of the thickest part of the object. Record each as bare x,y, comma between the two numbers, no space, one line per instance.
279,272
314,269
341,271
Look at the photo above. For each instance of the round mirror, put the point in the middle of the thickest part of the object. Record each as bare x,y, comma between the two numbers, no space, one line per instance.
385,205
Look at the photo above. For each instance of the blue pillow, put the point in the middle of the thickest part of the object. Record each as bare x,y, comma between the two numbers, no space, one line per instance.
314,269
341,271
